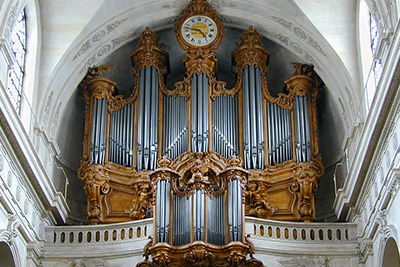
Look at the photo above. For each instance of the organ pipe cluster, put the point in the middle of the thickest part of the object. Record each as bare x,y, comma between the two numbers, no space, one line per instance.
198,116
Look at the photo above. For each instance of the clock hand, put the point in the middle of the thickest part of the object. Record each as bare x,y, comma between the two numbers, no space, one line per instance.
194,29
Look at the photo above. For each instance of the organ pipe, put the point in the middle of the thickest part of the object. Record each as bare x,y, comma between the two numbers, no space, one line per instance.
303,139
163,210
175,129
199,100
199,117
253,120
98,134
225,125
147,144
121,136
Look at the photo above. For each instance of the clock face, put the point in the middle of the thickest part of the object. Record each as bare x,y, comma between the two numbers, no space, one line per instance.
199,31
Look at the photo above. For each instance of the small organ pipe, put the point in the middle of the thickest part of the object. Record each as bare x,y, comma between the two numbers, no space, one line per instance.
252,103
260,129
140,121
246,116
307,127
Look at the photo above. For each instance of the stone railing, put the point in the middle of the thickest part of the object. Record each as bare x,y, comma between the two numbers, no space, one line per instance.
269,237
106,233
296,238
99,240
301,232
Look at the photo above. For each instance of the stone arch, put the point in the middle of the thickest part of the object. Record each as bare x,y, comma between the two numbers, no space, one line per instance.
277,22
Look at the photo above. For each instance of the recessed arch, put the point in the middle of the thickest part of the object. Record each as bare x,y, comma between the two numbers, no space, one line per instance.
6,256
390,256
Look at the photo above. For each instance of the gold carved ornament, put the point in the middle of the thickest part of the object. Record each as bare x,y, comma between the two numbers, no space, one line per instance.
199,253
199,8
194,171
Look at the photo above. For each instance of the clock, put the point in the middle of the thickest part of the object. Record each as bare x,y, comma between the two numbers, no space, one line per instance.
199,31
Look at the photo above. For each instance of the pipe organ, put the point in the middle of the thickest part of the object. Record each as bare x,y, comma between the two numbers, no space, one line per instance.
199,157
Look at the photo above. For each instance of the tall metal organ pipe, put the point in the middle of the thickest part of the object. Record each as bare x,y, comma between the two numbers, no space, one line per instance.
163,210
302,129
235,210
98,133
147,147
253,132
175,127
199,98
225,125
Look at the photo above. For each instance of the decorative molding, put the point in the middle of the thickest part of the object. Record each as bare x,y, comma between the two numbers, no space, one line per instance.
116,42
11,20
311,59
300,33
89,63
297,47
283,22
99,35
11,232
305,261
315,44
366,250
6,51
48,107
283,39
179,4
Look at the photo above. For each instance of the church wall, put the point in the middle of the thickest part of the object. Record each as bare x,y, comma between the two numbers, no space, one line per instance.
26,199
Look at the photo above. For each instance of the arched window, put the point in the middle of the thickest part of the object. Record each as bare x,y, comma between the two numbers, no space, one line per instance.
369,45
16,74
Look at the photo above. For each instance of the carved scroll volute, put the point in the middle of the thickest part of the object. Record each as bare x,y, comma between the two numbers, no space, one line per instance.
299,85
305,184
95,179
100,88
234,171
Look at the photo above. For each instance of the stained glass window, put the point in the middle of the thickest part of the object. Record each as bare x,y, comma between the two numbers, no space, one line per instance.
16,74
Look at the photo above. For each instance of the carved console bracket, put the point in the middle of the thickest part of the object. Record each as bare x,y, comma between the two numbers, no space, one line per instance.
200,254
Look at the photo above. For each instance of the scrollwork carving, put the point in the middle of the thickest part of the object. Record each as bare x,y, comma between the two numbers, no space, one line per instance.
201,254
257,199
207,171
141,205
199,7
